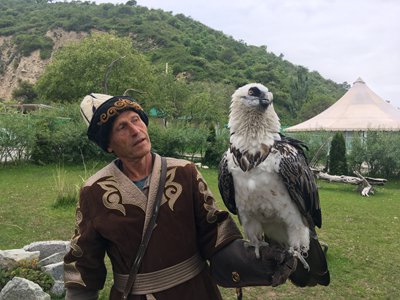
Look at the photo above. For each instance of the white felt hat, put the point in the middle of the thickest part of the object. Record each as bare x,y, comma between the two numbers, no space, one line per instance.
90,103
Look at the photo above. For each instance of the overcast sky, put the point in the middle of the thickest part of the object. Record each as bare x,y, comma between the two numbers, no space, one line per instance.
340,39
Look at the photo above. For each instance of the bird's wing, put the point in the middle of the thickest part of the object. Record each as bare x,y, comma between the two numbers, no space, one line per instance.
299,180
300,183
226,186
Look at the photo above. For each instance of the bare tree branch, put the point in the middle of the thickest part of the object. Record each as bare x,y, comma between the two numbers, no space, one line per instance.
105,87
134,90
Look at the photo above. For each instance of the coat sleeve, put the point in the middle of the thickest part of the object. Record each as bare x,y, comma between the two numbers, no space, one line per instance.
215,228
84,264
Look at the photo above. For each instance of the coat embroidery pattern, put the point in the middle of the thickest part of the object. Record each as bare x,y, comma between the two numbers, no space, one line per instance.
172,189
209,203
112,198
76,250
71,273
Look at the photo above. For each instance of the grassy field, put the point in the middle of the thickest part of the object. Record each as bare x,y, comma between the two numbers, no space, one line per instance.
363,234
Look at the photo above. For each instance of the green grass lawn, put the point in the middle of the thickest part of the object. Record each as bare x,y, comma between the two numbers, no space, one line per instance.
363,234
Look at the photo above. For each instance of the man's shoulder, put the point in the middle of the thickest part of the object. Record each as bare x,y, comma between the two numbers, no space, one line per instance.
177,162
106,171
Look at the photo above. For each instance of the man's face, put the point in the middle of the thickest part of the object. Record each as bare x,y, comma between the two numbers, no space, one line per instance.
129,138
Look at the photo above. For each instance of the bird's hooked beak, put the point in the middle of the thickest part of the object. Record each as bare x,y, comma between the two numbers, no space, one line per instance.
260,102
265,101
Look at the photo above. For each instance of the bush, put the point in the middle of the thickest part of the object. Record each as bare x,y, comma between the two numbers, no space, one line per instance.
16,138
337,155
178,140
33,274
24,92
27,43
60,136
217,144
380,151
357,155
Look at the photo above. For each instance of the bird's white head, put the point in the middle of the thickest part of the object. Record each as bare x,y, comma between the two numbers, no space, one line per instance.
252,118
253,95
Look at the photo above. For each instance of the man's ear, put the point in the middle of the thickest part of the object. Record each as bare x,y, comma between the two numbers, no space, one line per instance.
109,150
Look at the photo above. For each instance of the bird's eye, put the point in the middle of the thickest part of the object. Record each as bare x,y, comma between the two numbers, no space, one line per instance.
254,91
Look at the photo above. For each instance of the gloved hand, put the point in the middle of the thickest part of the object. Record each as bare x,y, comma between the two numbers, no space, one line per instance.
236,265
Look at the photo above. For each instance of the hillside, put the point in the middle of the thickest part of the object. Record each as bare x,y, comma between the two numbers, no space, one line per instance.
32,30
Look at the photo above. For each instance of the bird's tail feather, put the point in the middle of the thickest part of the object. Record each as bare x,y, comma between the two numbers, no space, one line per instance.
318,274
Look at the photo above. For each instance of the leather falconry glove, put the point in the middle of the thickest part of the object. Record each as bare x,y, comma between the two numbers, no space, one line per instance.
236,265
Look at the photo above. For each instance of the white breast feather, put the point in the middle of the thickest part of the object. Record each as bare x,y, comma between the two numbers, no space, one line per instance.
265,206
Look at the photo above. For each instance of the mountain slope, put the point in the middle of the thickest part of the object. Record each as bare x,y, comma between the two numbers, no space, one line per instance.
31,30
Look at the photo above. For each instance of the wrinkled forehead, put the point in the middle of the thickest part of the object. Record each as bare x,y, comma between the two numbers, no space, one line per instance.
125,116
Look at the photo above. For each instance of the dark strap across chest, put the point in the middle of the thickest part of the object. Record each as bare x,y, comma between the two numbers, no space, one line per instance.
148,232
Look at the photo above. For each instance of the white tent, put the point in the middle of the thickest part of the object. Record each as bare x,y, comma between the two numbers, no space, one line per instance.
360,109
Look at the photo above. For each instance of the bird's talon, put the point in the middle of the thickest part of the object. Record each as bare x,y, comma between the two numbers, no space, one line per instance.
301,258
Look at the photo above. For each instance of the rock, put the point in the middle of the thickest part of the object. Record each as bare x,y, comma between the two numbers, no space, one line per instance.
58,288
48,248
20,288
52,259
55,270
12,258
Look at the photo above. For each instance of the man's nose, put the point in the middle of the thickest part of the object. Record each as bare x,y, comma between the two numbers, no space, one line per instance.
133,129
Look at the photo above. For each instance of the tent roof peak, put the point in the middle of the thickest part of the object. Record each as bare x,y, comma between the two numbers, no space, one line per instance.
359,80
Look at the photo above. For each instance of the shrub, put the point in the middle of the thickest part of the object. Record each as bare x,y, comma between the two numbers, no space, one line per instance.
27,43
357,155
337,155
16,137
217,144
24,91
383,153
60,136
165,141
33,274
179,140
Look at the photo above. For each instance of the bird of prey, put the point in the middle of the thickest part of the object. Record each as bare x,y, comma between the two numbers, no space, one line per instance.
265,179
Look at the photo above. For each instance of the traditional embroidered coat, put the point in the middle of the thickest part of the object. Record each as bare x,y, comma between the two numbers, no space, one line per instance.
110,218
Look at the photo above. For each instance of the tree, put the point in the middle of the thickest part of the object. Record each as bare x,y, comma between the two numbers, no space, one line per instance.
208,102
80,68
298,90
337,155
131,3
168,95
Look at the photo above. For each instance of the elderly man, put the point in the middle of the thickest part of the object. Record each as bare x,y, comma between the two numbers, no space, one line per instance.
157,221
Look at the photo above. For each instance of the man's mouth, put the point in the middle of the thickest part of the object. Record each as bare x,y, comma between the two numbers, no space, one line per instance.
138,141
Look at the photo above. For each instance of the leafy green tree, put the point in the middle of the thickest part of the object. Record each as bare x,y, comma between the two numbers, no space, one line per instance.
337,155
168,95
131,3
208,102
81,68
298,90
313,107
